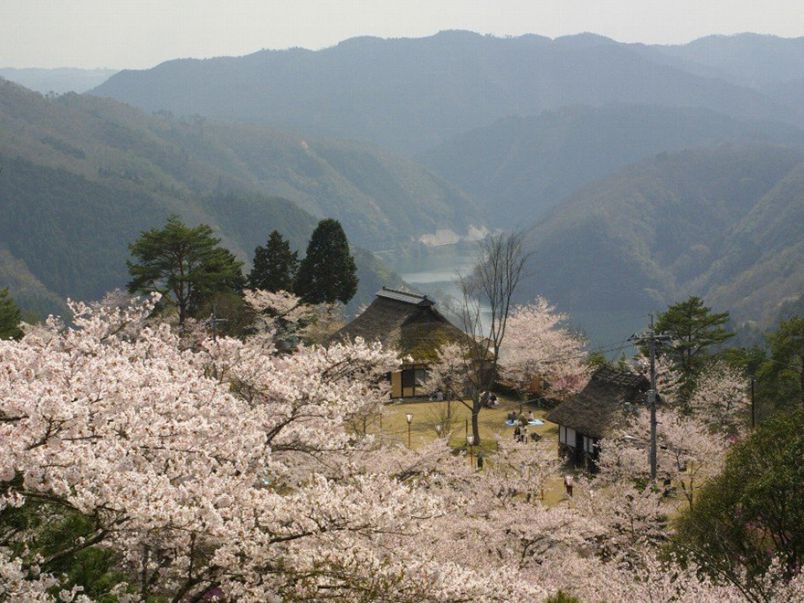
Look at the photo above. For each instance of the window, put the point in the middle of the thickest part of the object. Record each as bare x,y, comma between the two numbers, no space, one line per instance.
420,377
408,378
570,437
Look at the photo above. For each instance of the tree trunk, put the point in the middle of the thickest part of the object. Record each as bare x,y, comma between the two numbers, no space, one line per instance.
475,422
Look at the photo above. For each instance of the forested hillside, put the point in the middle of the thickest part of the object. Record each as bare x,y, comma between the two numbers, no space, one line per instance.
529,164
723,223
651,172
411,94
380,198
82,177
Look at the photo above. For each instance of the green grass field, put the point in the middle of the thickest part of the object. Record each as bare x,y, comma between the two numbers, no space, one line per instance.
426,415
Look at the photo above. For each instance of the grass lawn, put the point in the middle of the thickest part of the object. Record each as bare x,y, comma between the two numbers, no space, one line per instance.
426,415
492,423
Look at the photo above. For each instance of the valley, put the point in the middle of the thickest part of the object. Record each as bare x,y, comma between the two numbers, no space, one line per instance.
630,201
293,313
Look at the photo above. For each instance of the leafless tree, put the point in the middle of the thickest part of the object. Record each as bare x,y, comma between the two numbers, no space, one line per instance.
492,283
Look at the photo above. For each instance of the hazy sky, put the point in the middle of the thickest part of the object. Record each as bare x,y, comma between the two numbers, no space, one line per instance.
142,33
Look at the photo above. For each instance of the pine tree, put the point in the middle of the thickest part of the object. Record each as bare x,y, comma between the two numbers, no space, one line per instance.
693,328
275,265
327,273
9,317
781,377
184,264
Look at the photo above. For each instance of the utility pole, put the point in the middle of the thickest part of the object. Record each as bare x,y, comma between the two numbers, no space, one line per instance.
652,399
753,408
651,338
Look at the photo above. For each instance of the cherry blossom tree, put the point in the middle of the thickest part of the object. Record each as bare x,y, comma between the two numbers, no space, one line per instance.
219,468
540,355
185,458
721,400
227,469
285,318
688,453
449,371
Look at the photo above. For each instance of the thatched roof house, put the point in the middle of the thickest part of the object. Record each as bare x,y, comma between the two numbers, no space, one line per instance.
409,323
405,321
598,409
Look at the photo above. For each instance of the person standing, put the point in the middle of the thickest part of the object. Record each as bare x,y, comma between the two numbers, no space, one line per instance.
568,484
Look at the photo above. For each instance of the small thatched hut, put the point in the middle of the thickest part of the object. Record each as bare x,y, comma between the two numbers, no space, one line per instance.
599,408
410,324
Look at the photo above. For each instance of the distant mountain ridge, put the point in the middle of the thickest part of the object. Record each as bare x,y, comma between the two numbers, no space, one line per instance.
59,80
411,94
529,164
748,59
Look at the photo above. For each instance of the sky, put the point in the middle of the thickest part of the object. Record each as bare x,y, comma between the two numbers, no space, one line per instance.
137,34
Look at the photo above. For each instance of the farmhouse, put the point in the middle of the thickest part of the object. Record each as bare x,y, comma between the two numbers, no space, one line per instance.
409,323
592,414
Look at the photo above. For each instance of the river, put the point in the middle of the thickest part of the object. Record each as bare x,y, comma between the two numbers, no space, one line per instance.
435,271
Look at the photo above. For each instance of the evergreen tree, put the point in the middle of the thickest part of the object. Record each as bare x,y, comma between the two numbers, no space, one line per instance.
327,273
752,511
275,265
184,264
9,317
693,328
781,377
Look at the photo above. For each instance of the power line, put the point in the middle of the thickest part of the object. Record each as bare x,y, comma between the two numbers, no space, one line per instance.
602,350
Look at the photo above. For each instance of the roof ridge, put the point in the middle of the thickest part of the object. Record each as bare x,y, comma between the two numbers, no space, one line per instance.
414,299
411,293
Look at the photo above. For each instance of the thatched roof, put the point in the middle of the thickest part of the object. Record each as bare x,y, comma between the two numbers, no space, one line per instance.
601,405
405,321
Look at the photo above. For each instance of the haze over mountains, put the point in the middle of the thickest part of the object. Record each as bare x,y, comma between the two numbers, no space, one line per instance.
529,164
724,223
410,94
82,176
57,81
643,173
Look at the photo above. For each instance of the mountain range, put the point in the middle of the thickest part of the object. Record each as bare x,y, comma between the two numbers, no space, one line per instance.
640,173
412,94
529,164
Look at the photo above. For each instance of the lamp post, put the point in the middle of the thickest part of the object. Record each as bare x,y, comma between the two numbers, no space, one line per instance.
469,441
409,419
